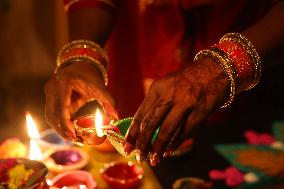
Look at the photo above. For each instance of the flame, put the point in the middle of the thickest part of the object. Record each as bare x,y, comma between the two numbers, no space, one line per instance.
31,126
35,152
99,123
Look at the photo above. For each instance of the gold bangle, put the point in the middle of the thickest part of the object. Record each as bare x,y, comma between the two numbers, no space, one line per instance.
88,60
81,44
227,68
229,63
83,51
252,52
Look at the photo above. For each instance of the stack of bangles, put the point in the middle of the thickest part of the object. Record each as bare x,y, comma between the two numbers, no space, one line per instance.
239,60
79,51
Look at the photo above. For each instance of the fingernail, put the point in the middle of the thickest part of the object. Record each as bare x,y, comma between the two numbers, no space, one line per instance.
154,159
72,135
167,153
128,148
116,116
138,156
67,135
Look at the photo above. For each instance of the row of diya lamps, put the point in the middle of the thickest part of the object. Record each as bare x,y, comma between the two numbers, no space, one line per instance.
56,163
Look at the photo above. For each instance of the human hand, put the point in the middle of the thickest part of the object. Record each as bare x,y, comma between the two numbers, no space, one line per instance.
176,103
68,90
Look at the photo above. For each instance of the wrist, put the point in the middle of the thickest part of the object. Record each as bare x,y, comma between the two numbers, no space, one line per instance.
224,68
83,69
244,57
239,60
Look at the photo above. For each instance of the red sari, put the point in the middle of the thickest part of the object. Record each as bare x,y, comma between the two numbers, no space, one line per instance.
150,40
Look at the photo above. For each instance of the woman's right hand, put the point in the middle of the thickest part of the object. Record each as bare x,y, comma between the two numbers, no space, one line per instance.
68,90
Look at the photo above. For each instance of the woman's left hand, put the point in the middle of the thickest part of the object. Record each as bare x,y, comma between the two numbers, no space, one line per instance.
176,103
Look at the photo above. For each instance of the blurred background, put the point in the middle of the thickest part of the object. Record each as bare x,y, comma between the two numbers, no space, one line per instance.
31,32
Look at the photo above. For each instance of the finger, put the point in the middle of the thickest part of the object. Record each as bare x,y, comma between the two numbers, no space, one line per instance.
75,106
107,101
63,103
51,110
101,94
199,114
149,125
52,119
176,141
133,131
167,130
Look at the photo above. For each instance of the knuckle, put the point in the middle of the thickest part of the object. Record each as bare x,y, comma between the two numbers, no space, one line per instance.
162,139
155,85
132,133
170,100
130,138
48,85
137,120
203,109
145,125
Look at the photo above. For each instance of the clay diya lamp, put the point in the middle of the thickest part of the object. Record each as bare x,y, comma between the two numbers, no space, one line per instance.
51,139
191,182
13,148
22,173
122,175
87,133
114,132
73,179
72,158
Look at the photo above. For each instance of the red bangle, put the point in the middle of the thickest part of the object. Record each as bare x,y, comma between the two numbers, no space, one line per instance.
239,60
251,52
242,62
83,52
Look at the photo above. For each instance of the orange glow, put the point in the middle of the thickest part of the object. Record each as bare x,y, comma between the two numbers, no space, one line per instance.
99,123
34,152
32,128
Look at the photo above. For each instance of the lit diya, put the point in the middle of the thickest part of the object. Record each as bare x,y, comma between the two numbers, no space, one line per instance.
51,139
58,160
22,173
122,175
90,130
13,148
77,179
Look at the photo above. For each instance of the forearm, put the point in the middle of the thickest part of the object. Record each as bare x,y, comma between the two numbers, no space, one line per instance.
90,24
241,55
268,33
91,19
